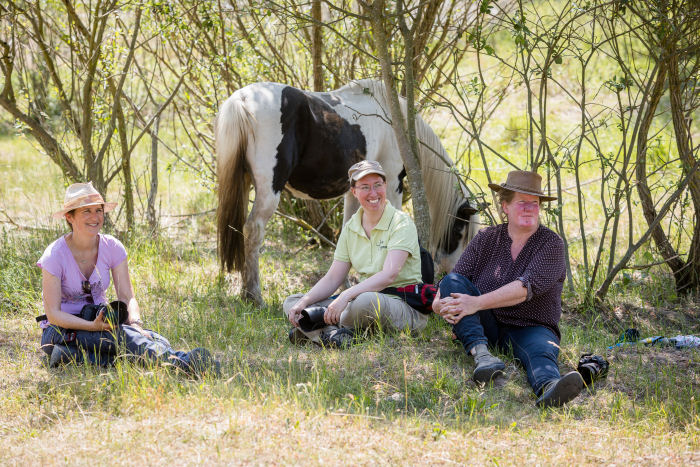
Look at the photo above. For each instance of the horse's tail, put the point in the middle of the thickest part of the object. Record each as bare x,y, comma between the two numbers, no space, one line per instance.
232,128
441,183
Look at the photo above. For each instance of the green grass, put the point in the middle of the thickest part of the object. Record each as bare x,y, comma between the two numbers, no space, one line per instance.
391,399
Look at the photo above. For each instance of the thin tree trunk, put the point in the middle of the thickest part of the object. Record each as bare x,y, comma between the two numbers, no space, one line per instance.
126,167
603,289
151,204
408,151
317,45
687,278
668,253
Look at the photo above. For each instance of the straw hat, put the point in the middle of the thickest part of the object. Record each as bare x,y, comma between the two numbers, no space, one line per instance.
79,195
522,181
363,168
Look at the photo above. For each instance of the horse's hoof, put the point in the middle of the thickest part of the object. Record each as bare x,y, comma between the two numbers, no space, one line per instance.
255,299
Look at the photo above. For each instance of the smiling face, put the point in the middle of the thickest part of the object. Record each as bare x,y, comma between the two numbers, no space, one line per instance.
370,191
86,219
523,211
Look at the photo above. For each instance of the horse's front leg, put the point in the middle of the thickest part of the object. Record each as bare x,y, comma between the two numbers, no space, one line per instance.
254,234
393,195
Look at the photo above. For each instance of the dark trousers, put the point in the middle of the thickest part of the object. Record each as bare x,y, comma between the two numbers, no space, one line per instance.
536,348
102,347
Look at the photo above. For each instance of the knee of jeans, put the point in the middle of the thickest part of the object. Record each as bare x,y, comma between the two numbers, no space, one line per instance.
456,283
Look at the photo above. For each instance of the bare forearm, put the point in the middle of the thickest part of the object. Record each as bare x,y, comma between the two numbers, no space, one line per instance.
374,283
394,261
69,321
322,290
508,295
459,305
134,311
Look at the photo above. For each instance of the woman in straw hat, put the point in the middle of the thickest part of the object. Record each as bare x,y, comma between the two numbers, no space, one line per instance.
381,244
505,292
76,272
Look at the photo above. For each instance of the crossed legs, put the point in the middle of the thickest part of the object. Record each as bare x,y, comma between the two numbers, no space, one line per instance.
372,309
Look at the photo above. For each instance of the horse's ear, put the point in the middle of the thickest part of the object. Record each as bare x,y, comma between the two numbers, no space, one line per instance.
465,210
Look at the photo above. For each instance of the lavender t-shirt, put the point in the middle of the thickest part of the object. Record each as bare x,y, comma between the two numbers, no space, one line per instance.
59,261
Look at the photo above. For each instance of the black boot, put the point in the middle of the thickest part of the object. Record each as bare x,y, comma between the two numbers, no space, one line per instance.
558,392
63,354
338,338
296,337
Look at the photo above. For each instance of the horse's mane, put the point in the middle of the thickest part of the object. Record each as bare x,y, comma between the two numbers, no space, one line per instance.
442,187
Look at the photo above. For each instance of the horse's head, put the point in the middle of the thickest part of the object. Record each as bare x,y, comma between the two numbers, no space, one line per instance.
462,228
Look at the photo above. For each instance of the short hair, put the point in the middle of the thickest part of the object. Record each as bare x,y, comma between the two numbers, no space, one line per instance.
505,195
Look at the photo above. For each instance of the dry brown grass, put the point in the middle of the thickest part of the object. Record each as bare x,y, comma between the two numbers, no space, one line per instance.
199,430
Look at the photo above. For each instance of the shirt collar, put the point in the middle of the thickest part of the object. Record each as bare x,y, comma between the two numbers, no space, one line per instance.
504,233
355,222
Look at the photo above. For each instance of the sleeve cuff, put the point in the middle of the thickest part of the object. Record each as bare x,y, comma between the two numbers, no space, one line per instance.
526,284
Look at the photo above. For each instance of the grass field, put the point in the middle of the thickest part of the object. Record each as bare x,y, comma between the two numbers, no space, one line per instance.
393,399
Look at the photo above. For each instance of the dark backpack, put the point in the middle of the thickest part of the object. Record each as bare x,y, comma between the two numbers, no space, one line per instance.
427,267
419,296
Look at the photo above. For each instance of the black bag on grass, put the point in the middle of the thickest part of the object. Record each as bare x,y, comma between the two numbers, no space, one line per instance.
592,367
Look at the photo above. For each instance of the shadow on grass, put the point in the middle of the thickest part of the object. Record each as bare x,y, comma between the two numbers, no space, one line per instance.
387,376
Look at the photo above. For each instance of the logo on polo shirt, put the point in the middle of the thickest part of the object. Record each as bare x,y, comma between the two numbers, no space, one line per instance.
382,244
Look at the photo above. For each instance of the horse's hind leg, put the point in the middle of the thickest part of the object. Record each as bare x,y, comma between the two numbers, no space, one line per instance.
350,207
254,232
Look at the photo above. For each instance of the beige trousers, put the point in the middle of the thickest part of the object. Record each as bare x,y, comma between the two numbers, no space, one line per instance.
372,309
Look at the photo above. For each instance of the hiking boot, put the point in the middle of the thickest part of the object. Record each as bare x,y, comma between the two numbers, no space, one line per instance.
487,366
199,362
337,338
558,392
297,337
64,354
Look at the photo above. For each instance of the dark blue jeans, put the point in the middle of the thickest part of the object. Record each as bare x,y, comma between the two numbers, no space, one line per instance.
536,348
101,347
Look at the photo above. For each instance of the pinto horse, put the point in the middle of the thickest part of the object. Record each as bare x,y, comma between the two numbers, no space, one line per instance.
277,137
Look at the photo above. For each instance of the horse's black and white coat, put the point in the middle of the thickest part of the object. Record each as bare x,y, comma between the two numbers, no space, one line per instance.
278,137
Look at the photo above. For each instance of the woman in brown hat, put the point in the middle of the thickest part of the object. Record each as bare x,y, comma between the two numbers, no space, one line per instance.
76,271
505,292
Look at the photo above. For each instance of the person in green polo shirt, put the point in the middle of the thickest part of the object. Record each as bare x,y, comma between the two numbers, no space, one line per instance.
381,244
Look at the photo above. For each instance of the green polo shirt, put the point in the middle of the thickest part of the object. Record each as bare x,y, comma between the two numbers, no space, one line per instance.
395,231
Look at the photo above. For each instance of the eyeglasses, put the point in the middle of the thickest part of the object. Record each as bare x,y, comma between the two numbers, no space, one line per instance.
87,290
367,188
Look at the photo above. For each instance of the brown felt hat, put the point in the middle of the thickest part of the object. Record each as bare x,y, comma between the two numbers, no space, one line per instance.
79,195
522,181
